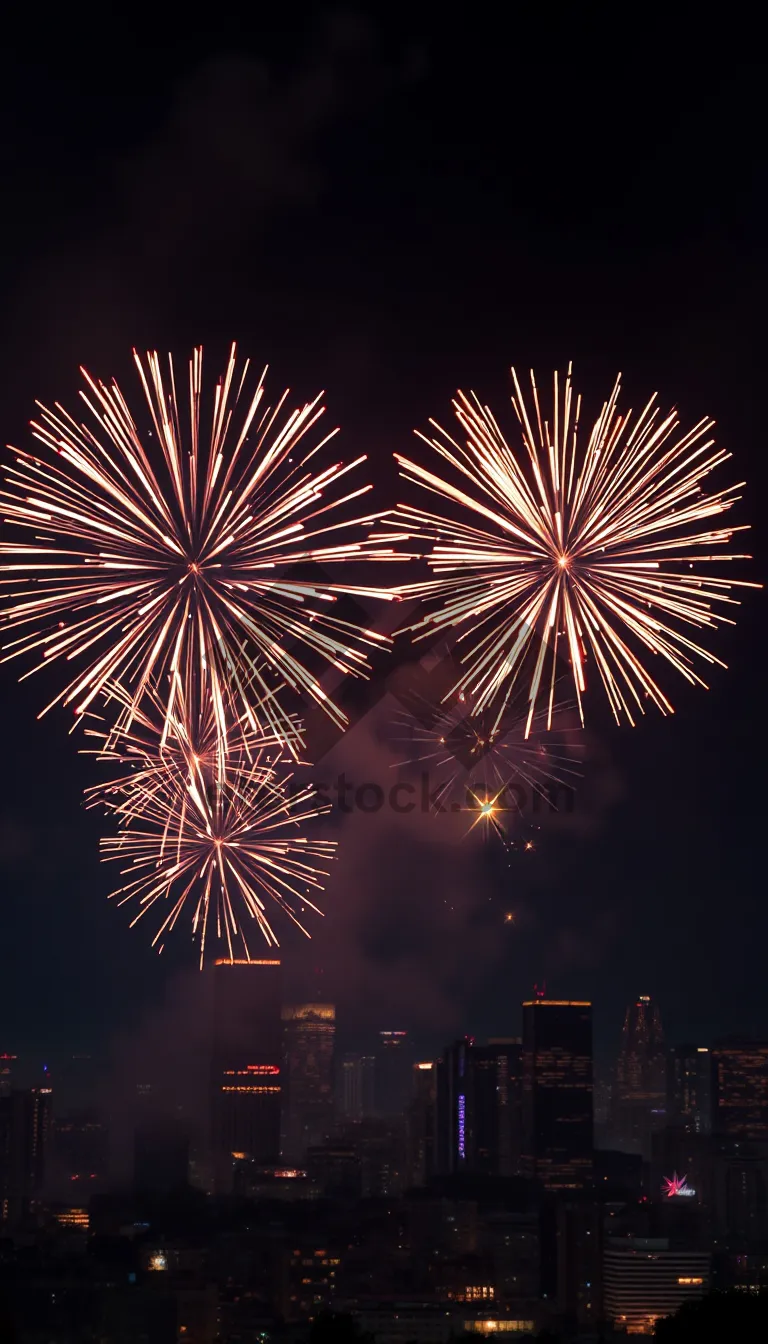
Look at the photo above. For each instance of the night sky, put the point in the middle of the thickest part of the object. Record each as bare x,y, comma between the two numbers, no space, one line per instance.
389,208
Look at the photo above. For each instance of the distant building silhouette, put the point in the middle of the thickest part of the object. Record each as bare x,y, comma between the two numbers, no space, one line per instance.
309,1031
420,1124
357,1081
8,1064
740,1077
640,1099
80,1152
689,1088
394,1057
477,1091
25,1129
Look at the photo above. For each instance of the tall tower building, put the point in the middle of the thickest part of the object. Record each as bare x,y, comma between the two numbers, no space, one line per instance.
246,1064
394,1058
453,1101
7,1065
309,1031
474,1107
358,1087
641,1078
25,1129
557,1130
740,1076
420,1124
689,1088
508,1051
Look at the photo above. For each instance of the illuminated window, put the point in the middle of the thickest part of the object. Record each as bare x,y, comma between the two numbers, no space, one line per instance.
688,1280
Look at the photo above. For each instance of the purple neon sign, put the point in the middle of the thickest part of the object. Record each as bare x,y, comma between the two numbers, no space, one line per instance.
462,1117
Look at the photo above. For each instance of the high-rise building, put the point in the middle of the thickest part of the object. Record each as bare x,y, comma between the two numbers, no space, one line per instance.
358,1087
7,1066
640,1098
476,1088
508,1051
394,1057
579,1260
454,1095
740,1078
80,1151
645,1279
308,1039
557,1130
420,1126
246,1064
739,1194
25,1127
689,1088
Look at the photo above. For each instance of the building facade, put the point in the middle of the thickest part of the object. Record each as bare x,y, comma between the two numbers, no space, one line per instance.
26,1123
246,1065
640,1099
557,1124
357,1099
645,1279
689,1088
420,1124
740,1080
309,1031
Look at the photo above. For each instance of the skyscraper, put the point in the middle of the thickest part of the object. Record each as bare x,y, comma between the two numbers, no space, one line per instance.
309,1030
25,1127
557,1131
641,1078
420,1125
740,1077
689,1088
509,1079
453,1094
246,1064
80,1150
473,1112
358,1087
7,1066
394,1057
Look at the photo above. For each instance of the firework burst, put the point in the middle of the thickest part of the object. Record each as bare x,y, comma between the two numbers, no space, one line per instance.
573,551
187,745
139,561
220,847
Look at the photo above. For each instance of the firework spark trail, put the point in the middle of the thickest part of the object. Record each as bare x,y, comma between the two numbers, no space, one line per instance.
140,562
213,846
593,549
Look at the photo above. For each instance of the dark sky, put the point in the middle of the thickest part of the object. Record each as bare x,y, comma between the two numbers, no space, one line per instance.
388,208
